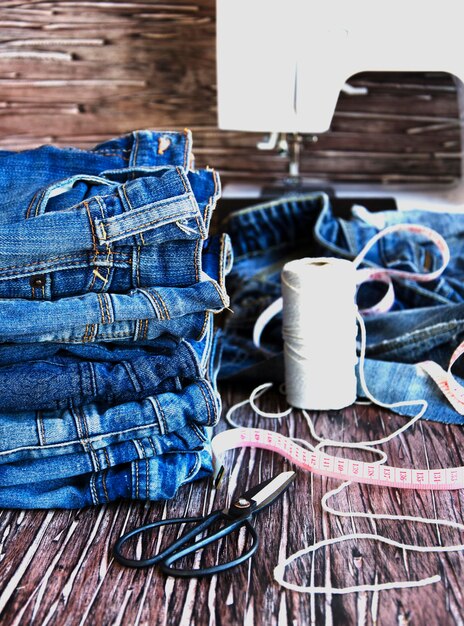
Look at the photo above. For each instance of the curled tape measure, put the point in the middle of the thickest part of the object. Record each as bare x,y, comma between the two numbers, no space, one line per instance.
333,466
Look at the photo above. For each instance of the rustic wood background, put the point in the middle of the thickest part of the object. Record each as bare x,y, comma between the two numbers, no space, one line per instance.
56,567
77,72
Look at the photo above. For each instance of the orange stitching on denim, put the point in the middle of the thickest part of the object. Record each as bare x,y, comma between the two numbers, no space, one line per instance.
30,205
39,202
84,338
134,229
124,191
46,262
220,292
107,306
163,304
182,177
203,328
145,333
101,308
205,397
107,458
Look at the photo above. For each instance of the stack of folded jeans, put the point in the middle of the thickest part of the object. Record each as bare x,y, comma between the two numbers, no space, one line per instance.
108,285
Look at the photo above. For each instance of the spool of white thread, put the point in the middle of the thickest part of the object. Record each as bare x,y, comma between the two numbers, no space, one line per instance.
319,332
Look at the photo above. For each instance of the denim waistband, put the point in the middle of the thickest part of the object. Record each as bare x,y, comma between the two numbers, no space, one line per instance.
48,164
156,478
149,209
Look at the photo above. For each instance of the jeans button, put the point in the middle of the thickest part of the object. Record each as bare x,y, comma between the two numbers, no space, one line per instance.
37,281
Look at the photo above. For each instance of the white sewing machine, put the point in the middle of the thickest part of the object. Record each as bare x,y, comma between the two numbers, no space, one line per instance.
282,63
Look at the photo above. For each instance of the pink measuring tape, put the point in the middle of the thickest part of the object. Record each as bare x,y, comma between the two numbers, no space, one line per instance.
333,466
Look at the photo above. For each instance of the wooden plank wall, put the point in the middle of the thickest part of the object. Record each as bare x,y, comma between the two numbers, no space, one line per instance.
76,72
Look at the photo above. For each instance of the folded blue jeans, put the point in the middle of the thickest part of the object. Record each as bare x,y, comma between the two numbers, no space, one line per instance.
155,478
23,173
145,232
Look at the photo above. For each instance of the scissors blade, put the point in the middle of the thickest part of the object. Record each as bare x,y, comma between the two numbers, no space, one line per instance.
266,492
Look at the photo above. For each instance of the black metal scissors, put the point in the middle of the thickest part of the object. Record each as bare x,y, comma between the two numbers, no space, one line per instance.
238,514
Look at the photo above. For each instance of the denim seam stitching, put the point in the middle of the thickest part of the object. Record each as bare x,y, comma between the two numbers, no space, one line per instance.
93,489
82,442
101,308
108,307
41,428
203,328
132,374
197,431
92,379
194,467
157,295
133,229
159,414
153,303
147,477
69,258
197,259
103,479
152,445
136,464
207,404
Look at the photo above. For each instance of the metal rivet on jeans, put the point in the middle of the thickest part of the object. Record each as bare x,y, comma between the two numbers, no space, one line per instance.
37,281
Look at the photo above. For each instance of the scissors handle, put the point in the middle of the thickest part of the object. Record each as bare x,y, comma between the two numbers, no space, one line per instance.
165,564
176,550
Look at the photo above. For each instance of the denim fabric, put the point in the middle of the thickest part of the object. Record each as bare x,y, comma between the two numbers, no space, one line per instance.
140,314
156,478
401,251
427,321
23,173
61,381
108,285
41,434
146,232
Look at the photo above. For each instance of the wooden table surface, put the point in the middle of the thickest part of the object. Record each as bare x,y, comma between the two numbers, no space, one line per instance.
56,566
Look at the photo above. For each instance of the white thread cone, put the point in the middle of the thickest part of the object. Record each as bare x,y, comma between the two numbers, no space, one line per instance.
319,331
